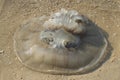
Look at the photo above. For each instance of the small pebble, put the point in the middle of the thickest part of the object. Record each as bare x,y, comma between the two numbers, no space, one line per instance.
1,51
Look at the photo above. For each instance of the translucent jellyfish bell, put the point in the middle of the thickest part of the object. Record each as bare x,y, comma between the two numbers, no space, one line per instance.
62,44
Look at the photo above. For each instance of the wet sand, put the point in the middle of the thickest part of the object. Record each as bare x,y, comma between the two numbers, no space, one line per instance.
105,13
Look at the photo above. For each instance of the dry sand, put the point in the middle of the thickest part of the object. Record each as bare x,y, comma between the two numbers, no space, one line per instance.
105,13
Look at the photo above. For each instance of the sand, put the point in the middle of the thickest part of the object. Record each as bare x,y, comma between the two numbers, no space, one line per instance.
105,13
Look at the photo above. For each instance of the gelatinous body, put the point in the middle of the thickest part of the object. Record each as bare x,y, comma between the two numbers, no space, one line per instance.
57,45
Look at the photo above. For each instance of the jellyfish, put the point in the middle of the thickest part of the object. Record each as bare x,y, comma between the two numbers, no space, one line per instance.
62,43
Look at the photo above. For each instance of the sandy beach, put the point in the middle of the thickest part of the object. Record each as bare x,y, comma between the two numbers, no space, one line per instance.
104,13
